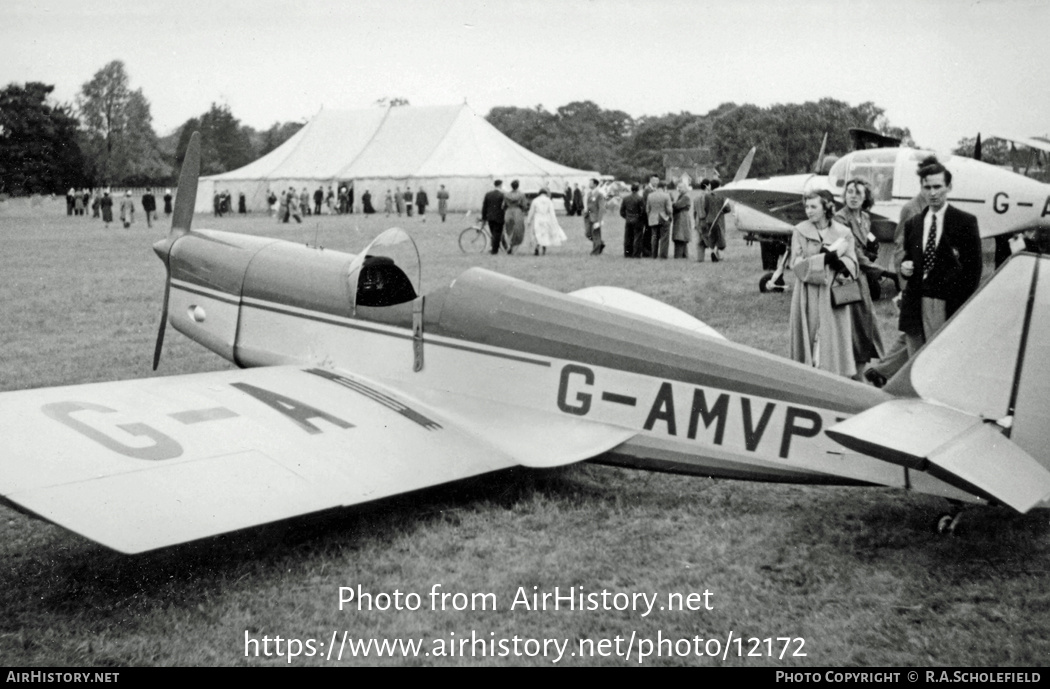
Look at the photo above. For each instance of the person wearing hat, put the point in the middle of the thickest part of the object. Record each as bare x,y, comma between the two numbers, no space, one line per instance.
106,204
167,202
149,206
127,210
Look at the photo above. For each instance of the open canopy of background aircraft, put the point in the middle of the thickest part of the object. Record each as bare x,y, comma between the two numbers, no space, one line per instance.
1004,201
353,386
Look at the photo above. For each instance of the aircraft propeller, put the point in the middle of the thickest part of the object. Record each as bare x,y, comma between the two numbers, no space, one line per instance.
741,174
819,165
181,221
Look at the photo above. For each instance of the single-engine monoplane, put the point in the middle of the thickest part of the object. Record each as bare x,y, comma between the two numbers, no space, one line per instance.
353,386
1003,201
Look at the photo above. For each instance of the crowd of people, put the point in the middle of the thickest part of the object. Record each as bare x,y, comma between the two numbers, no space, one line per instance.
655,217
512,219
100,203
401,202
665,214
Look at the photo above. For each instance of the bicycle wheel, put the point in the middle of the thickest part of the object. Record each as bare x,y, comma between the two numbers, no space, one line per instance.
473,240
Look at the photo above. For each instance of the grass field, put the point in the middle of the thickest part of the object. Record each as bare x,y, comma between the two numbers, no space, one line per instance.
859,574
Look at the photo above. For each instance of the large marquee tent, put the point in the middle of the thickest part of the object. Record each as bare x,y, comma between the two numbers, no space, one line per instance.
383,148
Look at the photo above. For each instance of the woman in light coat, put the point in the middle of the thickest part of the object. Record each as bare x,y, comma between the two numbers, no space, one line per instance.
127,210
542,224
822,253
682,223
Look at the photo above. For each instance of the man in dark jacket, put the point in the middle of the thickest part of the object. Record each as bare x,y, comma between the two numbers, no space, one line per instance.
632,210
942,259
422,201
492,213
149,206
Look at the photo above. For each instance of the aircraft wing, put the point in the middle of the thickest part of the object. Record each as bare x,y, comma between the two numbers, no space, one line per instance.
1039,143
781,203
143,464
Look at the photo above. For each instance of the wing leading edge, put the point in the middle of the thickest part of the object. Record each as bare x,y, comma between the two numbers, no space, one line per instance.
139,465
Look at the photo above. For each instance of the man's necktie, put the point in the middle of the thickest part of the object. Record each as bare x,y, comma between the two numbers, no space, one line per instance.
931,248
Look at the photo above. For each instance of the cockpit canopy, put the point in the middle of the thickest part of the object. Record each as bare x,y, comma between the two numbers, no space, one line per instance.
874,166
382,283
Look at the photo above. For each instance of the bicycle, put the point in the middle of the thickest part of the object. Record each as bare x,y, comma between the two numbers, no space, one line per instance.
477,239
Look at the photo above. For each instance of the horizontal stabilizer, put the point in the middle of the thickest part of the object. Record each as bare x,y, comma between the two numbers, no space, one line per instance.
959,448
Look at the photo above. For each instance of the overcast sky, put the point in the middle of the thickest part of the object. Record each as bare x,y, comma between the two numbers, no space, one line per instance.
946,69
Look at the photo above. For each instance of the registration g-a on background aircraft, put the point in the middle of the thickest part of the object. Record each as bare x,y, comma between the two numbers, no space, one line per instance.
352,387
1003,200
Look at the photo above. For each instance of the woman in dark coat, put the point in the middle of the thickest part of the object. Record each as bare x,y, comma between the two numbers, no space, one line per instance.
106,204
514,207
867,341
366,202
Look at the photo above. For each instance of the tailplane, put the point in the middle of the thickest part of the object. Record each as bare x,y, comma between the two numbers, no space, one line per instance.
979,390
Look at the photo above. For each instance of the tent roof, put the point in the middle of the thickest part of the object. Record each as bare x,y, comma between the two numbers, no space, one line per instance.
399,142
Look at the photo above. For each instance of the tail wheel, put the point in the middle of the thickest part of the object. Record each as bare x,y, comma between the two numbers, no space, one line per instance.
763,282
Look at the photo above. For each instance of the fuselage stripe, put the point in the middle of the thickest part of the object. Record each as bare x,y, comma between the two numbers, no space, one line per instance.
213,294
403,335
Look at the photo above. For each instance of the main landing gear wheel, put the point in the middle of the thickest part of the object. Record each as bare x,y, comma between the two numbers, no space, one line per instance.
764,284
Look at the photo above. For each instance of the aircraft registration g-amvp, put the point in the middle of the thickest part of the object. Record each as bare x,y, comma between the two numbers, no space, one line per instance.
353,388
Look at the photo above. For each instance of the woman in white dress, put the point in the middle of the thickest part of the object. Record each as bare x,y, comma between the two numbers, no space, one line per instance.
542,224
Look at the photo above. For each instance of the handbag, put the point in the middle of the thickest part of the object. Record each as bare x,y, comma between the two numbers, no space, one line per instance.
845,293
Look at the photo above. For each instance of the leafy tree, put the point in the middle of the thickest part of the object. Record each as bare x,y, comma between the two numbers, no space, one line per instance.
225,144
118,130
652,135
276,135
788,136
39,152
994,151
392,102
532,128
580,134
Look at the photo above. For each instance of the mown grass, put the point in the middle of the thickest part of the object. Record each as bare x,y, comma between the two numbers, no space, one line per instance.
858,573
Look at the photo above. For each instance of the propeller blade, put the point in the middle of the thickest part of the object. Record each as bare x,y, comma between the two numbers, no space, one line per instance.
820,157
741,173
977,147
163,323
181,221
186,198
745,167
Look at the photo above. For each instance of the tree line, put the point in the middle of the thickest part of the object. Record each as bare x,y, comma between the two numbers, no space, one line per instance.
107,138
788,137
